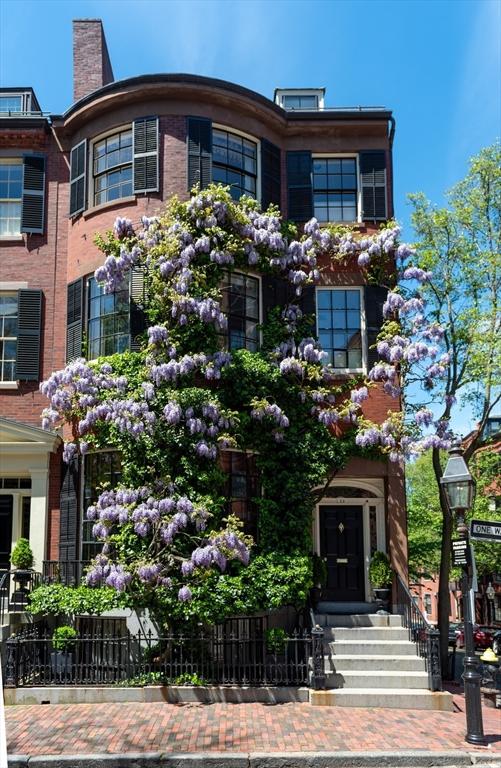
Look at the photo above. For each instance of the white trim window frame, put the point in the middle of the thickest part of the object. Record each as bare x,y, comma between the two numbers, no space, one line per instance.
101,171
247,137
358,197
283,93
338,331
247,319
11,203
8,336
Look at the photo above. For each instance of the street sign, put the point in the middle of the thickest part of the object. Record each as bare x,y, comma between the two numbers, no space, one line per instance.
485,530
460,552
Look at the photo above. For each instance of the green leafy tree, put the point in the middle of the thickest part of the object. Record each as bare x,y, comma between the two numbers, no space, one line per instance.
461,245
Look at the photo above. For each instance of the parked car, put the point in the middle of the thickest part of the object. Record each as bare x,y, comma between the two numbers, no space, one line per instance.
496,642
455,630
482,637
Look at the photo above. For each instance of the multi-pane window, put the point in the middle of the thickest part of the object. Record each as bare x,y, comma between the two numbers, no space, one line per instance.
241,305
340,326
301,101
8,336
108,320
11,103
335,188
102,471
112,167
11,193
234,163
242,488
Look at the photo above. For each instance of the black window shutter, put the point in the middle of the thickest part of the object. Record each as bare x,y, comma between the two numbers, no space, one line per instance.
74,320
270,174
33,207
373,179
68,505
199,152
300,199
145,170
78,163
29,325
137,314
375,296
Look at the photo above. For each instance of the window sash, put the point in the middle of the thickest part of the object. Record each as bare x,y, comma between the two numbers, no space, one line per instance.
101,469
234,162
335,188
112,167
108,320
340,327
8,335
241,304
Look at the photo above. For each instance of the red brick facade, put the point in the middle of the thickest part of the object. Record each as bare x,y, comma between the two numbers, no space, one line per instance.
66,251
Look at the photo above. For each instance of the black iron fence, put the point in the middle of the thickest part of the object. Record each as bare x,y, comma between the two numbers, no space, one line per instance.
215,656
421,632
68,572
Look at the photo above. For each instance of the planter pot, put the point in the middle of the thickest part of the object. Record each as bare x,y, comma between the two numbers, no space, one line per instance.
61,664
382,597
23,578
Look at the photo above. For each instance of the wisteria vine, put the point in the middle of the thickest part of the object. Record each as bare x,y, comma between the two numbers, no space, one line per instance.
185,255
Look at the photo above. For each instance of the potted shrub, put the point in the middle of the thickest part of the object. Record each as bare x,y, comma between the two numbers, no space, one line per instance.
22,559
381,576
63,643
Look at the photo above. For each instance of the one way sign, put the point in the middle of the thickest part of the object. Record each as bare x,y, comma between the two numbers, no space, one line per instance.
485,530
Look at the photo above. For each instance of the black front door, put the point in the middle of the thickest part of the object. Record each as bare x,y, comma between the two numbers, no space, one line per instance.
6,504
342,547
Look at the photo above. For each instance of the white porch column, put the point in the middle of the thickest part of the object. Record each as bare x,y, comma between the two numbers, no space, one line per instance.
38,515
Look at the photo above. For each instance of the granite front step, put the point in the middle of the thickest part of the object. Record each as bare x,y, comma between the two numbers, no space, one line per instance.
366,633
357,620
377,663
355,679
393,698
374,648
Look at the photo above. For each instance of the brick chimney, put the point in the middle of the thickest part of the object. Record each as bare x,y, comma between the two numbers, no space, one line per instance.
91,61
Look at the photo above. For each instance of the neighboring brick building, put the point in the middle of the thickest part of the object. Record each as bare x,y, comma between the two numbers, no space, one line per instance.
125,147
33,225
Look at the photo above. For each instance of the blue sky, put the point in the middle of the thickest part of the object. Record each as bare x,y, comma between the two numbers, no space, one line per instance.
435,63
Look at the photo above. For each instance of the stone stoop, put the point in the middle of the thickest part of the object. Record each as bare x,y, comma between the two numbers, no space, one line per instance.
370,662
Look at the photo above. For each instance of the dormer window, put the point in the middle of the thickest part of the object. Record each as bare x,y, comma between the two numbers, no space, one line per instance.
17,102
300,98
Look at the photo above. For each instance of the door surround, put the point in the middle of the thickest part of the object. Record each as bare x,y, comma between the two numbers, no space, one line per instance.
376,499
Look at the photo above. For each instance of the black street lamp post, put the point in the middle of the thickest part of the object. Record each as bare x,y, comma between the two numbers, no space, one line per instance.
459,488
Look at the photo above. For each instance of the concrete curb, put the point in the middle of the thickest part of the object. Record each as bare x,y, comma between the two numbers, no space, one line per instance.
399,759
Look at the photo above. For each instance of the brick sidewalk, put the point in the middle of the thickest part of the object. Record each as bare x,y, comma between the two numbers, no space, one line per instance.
120,728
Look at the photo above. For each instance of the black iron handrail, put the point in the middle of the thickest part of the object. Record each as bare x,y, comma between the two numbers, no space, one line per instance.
15,589
421,632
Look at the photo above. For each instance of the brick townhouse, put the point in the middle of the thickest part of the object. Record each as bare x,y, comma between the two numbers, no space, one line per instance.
122,149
